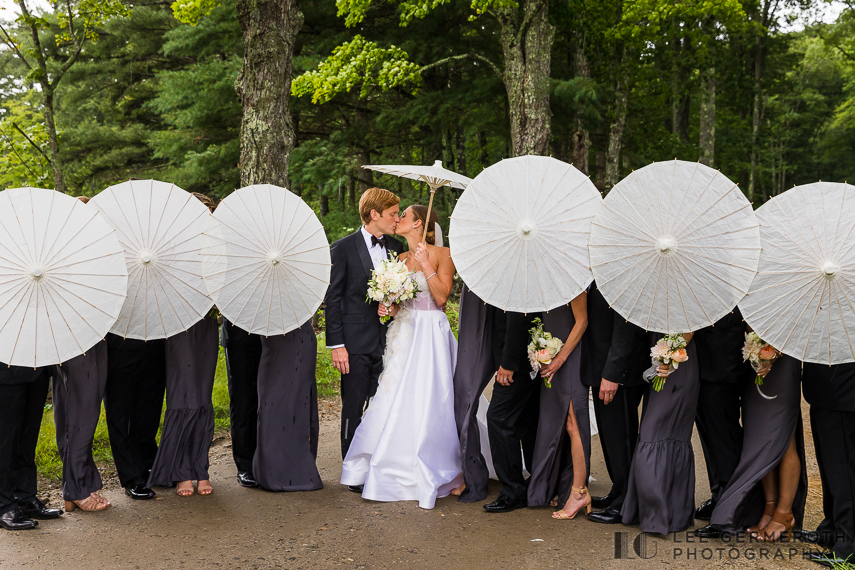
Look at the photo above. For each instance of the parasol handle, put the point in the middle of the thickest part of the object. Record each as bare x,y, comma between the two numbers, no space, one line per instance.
427,218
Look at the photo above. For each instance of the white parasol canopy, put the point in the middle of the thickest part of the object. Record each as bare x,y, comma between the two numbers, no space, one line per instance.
435,176
674,247
519,233
267,260
160,227
62,277
802,301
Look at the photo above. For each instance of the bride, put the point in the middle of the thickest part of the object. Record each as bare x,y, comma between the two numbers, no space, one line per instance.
406,448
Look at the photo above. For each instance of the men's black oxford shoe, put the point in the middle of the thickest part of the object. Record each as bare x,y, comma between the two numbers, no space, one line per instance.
247,479
607,516
707,532
137,490
504,505
603,502
355,488
704,512
35,509
15,520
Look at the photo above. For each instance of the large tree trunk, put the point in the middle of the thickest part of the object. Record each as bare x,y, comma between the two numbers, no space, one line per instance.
264,87
616,131
581,140
756,114
707,128
527,38
47,98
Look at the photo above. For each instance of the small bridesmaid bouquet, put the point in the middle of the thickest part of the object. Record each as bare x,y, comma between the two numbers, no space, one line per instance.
670,351
391,282
760,353
542,349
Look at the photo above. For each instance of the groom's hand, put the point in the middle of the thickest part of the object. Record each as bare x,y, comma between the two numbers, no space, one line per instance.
340,360
505,377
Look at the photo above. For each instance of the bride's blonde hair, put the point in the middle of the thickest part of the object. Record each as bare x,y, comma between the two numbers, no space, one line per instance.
419,213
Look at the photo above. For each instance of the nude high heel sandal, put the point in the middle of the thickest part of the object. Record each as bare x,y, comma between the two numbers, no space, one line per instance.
561,515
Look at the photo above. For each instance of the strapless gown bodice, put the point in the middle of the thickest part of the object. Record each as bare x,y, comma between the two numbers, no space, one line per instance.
423,300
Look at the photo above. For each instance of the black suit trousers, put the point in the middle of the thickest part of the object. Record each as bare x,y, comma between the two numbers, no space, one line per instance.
20,422
242,362
834,441
357,387
618,426
133,401
717,419
512,421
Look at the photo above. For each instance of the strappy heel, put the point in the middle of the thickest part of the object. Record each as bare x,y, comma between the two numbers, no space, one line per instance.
89,504
768,511
787,520
561,515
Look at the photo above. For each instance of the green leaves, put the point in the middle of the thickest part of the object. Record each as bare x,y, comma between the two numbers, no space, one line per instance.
358,62
191,11
85,17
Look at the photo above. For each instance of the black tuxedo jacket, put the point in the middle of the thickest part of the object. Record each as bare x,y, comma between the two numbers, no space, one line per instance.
719,350
19,374
510,339
611,347
350,320
829,387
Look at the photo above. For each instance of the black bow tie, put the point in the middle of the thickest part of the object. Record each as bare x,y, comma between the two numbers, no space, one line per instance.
381,241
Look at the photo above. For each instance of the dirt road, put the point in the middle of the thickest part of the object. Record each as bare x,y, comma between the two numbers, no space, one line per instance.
334,528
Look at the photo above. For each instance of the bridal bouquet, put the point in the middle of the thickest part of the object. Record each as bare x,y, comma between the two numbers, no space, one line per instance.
759,353
669,351
542,349
391,282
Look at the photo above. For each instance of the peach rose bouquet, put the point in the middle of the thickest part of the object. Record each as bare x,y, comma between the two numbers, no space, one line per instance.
759,353
542,349
670,351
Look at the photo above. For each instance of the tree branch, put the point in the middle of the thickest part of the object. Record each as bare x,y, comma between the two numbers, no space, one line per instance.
527,21
11,43
68,63
476,56
29,140
24,162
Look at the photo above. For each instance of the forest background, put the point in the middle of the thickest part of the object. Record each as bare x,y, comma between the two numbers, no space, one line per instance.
756,88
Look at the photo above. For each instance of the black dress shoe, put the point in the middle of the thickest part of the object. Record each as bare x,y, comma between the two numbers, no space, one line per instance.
35,509
602,502
826,558
708,532
137,490
15,520
704,512
504,505
355,488
608,516
247,479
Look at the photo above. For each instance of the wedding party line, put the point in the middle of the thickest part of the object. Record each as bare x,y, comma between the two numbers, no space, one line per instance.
671,294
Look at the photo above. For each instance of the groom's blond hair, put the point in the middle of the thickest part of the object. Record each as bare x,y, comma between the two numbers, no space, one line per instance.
376,199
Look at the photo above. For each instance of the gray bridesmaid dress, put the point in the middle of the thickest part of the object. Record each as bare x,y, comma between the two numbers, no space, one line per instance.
661,492
288,424
472,374
188,426
768,426
78,388
552,465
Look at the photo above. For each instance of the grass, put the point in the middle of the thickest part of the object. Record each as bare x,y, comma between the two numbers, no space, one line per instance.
328,379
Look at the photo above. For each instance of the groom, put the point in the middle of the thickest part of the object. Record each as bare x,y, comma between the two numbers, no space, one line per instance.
354,331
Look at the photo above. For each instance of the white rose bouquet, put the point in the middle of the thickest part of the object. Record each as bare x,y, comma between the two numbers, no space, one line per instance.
669,351
542,349
391,282
760,353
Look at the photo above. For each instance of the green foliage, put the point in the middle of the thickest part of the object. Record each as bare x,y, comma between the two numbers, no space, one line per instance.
85,16
192,11
24,143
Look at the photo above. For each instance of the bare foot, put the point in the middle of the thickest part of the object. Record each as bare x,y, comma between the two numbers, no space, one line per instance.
204,487
457,491
100,499
184,488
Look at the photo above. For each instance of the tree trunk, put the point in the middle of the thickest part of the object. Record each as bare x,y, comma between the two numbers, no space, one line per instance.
756,114
366,177
581,140
264,87
351,192
325,205
707,128
527,38
47,98
616,132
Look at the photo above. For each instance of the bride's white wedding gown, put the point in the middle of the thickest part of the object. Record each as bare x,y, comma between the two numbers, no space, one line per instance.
406,448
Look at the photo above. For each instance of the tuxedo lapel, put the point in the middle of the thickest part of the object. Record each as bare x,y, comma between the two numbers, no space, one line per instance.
364,256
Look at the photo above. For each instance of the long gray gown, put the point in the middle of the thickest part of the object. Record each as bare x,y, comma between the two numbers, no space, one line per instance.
288,423
769,426
661,492
188,426
78,388
471,376
552,467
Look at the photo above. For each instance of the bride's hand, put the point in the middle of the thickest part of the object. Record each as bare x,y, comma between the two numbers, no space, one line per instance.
423,259
391,311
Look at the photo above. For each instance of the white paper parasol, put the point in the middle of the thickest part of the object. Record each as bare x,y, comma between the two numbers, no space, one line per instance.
674,247
160,227
435,176
802,301
267,260
519,233
62,277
